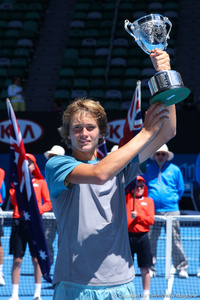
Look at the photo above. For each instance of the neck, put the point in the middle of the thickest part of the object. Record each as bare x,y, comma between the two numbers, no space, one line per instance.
161,165
84,156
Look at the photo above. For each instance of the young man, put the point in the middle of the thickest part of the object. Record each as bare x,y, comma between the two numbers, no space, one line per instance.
88,198
140,216
20,236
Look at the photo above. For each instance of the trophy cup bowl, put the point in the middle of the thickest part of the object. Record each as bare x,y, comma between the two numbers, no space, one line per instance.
150,32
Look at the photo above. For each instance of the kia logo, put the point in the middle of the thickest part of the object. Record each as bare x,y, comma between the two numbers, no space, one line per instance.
116,131
30,131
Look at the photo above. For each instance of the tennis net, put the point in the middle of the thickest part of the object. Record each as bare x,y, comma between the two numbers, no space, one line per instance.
166,284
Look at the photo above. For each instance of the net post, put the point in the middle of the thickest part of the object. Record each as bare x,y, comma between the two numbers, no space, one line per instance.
168,246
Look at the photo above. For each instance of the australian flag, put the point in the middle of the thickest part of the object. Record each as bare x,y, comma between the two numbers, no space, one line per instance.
25,195
102,150
133,125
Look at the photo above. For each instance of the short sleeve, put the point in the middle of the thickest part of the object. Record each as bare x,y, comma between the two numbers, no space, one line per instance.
56,170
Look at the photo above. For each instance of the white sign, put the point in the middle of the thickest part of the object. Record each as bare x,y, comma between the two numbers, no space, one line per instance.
116,131
30,131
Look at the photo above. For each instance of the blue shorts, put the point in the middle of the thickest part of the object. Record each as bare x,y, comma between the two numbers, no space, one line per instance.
72,291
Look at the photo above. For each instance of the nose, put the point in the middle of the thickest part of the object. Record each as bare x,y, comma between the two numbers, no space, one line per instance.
84,131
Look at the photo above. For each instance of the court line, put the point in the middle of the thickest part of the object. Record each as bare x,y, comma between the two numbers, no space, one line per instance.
170,283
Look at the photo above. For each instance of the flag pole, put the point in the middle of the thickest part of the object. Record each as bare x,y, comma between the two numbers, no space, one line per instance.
139,92
134,199
139,100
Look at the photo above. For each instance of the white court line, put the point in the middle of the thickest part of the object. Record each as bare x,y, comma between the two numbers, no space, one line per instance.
170,283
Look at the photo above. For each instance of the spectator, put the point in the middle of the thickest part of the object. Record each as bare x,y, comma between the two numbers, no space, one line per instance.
166,186
16,94
88,198
2,198
20,236
140,215
50,225
55,150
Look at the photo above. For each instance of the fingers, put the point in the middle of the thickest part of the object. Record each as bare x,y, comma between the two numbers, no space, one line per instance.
156,107
156,114
158,110
160,60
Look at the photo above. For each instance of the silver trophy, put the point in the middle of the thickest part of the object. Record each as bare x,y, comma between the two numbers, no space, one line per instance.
150,32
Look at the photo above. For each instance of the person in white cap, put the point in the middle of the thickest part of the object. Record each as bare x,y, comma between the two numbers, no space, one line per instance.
165,184
55,150
50,226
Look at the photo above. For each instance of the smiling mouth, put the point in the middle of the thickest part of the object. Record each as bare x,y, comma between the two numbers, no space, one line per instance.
83,142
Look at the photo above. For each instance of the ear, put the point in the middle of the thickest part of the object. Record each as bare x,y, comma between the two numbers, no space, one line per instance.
69,137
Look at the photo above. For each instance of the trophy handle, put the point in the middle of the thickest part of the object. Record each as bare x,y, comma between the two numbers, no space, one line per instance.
166,20
126,24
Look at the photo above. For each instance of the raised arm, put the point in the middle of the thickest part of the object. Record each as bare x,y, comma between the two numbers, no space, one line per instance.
161,61
117,160
159,127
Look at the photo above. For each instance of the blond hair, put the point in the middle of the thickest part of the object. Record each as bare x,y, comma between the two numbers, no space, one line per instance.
80,106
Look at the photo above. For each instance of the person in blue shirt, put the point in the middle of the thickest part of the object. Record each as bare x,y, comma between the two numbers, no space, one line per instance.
165,184
2,198
88,197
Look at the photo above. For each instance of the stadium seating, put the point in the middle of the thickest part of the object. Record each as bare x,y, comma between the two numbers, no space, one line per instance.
21,21
99,53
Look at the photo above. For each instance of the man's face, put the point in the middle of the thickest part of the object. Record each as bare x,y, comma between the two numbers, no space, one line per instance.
84,133
161,158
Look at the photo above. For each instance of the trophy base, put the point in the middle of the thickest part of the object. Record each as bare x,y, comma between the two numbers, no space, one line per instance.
167,86
171,95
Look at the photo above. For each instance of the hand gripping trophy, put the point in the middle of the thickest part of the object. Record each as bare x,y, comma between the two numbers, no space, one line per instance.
150,32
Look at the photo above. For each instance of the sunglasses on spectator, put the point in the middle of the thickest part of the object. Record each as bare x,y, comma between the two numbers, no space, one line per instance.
140,186
160,153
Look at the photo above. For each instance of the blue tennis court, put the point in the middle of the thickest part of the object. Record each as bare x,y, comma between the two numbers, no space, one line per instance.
26,284
175,287
161,288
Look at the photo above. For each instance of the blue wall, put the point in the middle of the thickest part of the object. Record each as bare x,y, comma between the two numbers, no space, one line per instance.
187,163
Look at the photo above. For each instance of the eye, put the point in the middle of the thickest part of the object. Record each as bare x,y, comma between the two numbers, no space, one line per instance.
77,128
91,127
